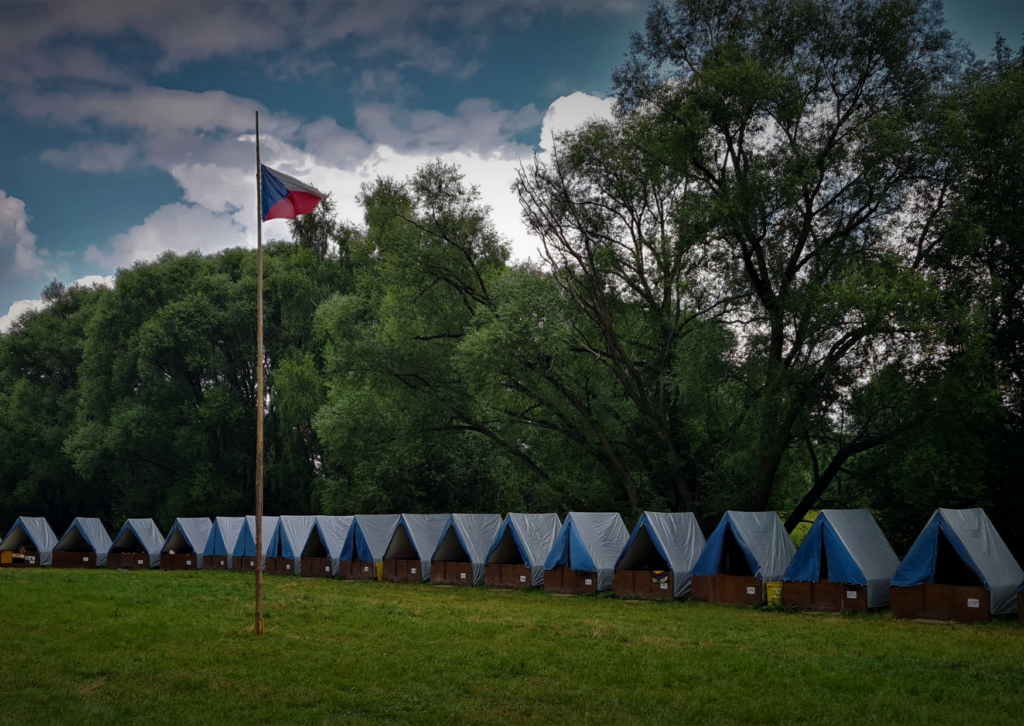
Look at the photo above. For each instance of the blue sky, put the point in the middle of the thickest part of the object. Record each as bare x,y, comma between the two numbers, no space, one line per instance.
126,128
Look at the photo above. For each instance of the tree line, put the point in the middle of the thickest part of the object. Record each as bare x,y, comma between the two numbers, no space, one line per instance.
788,275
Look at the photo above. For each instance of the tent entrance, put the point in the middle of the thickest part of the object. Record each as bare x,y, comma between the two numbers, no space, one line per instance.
823,565
643,555
507,552
178,544
733,561
401,546
17,539
315,544
451,549
128,543
950,569
74,542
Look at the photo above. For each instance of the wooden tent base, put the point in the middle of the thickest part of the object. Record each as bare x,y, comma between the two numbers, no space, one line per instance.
244,564
739,590
824,596
357,570
640,584
403,571
564,581
317,567
965,604
32,559
451,573
74,560
127,561
508,577
180,561
216,562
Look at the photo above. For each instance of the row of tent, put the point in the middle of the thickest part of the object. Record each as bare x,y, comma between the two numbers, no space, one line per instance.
958,569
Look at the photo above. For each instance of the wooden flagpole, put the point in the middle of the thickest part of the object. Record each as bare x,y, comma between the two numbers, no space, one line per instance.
259,384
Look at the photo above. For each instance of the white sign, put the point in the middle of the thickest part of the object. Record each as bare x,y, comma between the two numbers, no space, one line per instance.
85,559
30,560
222,563
664,586
366,569
973,603
251,563
462,575
751,591
140,562
851,594
522,578
588,581
327,569
287,567
412,570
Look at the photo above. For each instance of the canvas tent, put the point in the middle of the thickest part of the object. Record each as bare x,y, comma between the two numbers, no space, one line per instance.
322,547
516,557
365,545
959,568
459,556
407,557
29,543
221,543
293,534
183,549
244,552
582,559
136,546
746,551
844,563
85,544
658,557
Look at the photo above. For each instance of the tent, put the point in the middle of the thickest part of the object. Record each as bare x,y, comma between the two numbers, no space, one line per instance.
85,544
293,534
746,551
407,557
365,545
959,568
657,560
322,547
844,563
29,543
582,559
183,549
221,543
244,552
136,547
517,555
461,551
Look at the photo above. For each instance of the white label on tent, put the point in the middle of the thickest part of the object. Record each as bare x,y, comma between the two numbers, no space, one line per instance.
85,559
973,603
751,591
366,569
664,586
522,578
222,563
462,575
327,569
30,560
140,562
188,562
251,563
412,570
588,581
287,567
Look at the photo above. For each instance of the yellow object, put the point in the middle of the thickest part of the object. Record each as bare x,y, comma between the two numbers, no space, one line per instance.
380,572
6,558
774,590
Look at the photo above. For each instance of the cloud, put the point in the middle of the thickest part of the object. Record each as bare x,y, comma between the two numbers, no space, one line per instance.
18,253
568,112
20,307
92,156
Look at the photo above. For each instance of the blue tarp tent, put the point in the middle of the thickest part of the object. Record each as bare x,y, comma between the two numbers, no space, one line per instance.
415,538
86,533
221,542
293,535
766,547
466,537
32,533
188,534
527,538
245,545
979,546
369,537
135,535
674,536
590,542
855,549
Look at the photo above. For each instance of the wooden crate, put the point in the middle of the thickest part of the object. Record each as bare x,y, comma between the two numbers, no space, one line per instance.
75,560
824,596
737,590
507,577
459,574
317,567
403,571
564,581
216,562
359,570
640,584
180,561
963,603
127,561
32,559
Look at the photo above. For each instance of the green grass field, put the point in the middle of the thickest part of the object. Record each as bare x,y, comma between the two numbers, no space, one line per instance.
104,647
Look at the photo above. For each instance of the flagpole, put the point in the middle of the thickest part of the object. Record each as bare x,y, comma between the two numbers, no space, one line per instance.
259,384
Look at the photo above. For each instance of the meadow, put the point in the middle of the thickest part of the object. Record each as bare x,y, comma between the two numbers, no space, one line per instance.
81,647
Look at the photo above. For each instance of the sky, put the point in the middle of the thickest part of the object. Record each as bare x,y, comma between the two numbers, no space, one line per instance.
127,128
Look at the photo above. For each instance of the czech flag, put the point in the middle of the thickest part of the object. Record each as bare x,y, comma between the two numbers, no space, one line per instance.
285,197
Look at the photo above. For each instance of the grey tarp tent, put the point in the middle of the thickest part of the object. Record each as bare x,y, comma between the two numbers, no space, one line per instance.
844,547
746,551
244,552
137,545
366,544
961,551
294,535
185,543
35,535
463,546
661,541
217,554
589,542
85,544
520,548
323,546
407,557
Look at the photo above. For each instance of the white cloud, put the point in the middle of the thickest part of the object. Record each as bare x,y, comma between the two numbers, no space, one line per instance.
92,156
568,112
95,281
18,253
17,309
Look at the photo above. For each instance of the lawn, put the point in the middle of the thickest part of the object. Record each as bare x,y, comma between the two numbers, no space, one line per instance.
80,647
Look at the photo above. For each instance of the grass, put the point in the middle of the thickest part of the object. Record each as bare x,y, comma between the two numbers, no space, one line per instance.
80,647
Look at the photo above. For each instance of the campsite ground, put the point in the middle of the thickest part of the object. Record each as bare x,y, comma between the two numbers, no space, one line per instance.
81,647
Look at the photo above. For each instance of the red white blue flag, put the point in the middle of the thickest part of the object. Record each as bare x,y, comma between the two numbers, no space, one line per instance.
285,197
